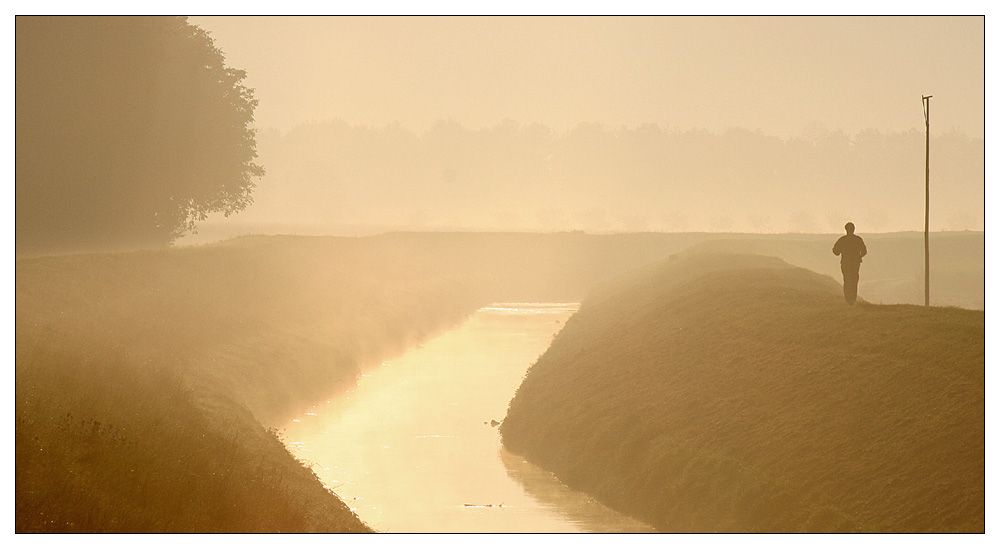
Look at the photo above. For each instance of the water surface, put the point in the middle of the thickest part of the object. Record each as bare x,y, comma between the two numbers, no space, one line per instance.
412,448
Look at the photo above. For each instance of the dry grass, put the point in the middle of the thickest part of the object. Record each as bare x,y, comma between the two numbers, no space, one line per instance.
737,393
123,448
146,381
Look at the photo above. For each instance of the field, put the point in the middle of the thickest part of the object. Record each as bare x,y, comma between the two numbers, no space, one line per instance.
149,384
737,393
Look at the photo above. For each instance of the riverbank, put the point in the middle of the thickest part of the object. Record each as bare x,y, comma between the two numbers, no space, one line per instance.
740,394
414,449
148,384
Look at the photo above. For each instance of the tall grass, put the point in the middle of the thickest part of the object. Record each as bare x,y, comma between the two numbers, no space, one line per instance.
146,382
737,393
124,449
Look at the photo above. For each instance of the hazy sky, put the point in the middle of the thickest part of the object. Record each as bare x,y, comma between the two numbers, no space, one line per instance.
775,74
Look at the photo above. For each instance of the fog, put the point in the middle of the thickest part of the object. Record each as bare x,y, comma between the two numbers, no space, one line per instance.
775,74
751,124
351,274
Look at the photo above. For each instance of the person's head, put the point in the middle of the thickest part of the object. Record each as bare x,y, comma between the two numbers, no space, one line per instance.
849,227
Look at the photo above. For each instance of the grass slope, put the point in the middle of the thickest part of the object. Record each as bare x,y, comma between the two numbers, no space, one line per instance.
146,381
737,393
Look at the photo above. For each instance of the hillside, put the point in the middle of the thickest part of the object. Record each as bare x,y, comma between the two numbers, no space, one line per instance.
737,393
148,383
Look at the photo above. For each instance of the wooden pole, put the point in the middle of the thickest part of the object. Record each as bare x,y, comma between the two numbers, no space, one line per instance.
927,200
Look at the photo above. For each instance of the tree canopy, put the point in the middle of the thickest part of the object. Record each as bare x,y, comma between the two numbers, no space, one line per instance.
129,130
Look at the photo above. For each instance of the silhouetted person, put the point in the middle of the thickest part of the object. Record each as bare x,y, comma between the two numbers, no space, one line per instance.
851,248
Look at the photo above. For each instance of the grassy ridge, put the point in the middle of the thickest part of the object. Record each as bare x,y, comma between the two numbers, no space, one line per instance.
124,448
145,381
738,393
893,271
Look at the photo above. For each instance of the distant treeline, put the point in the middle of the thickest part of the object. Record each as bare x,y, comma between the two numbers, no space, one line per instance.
595,178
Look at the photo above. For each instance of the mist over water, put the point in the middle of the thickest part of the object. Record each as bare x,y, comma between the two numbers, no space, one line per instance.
412,447
245,248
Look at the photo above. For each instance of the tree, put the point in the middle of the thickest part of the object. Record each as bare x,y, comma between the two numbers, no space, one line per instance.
129,130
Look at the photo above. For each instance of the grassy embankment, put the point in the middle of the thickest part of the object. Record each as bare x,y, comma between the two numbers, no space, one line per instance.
146,382
738,393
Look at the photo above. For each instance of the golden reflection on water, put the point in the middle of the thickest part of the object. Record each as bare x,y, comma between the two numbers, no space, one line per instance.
412,448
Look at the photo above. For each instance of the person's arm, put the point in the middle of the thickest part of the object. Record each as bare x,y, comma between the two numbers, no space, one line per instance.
836,246
864,249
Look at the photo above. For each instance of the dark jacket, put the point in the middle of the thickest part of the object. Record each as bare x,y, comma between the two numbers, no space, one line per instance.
851,248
